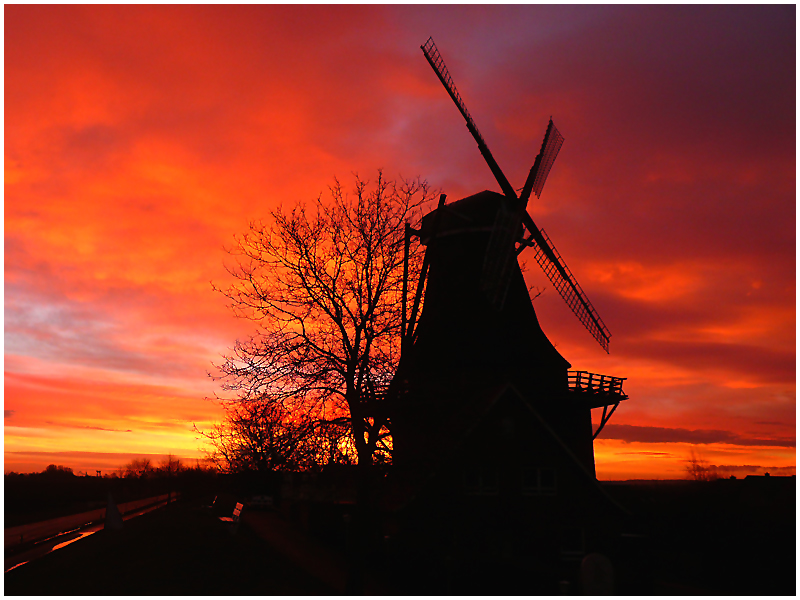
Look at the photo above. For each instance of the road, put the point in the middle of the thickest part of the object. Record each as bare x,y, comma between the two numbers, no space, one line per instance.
53,534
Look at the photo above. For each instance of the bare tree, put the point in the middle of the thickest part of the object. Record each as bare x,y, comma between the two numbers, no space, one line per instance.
261,434
323,284
698,469
170,465
138,467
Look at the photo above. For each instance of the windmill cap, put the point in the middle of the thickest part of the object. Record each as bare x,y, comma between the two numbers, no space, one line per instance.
473,214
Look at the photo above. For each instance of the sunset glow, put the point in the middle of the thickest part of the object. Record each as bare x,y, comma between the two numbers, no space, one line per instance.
140,140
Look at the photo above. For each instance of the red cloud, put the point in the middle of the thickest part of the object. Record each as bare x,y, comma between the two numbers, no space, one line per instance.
140,139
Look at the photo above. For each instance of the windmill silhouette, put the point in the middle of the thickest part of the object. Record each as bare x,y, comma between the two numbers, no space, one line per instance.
477,334
506,239
493,486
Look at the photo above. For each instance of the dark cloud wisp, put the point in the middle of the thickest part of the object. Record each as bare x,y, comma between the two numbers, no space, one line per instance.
655,435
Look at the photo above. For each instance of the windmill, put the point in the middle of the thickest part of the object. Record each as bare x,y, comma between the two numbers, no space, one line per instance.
477,327
513,214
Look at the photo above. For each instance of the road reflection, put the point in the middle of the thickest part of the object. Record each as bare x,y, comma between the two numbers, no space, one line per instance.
65,538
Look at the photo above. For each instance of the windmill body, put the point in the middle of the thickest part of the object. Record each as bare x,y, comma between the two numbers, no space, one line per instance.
466,349
478,331
493,486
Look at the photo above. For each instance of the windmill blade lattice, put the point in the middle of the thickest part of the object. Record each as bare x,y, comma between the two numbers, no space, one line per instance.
495,276
551,144
564,281
506,228
549,153
436,61
499,255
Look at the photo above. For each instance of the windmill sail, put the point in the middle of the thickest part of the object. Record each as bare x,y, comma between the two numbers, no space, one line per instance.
564,281
436,61
511,214
495,276
551,144
506,230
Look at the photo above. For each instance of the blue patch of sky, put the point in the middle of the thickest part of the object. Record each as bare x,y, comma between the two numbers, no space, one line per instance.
69,332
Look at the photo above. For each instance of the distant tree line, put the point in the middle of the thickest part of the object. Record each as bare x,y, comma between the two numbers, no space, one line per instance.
137,468
58,490
144,468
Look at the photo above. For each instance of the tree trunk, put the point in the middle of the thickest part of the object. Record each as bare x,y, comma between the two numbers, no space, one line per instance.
362,517
362,526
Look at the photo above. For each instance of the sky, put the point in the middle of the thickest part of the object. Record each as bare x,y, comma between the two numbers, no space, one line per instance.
140,140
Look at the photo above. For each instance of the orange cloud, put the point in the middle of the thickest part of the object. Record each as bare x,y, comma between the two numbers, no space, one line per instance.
51,414
140,139
632,460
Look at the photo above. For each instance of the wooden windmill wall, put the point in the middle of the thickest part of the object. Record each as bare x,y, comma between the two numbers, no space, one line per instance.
478,330
466,349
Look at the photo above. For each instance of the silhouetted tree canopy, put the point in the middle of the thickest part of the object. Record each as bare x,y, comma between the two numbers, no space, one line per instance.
262,434
58,471
322,282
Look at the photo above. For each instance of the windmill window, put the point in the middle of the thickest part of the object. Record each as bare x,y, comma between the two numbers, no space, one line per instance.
530,479
538,481
480,479
547,480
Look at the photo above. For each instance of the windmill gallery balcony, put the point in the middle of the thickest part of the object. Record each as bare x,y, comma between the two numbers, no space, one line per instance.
597,390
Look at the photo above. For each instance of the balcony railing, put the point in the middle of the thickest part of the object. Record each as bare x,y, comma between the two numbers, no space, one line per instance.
372,392
601,387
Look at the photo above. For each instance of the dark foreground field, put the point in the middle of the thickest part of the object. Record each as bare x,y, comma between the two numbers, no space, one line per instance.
691,538
177,550
723,537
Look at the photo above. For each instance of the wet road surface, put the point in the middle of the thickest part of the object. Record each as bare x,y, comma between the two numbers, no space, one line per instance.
66,530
